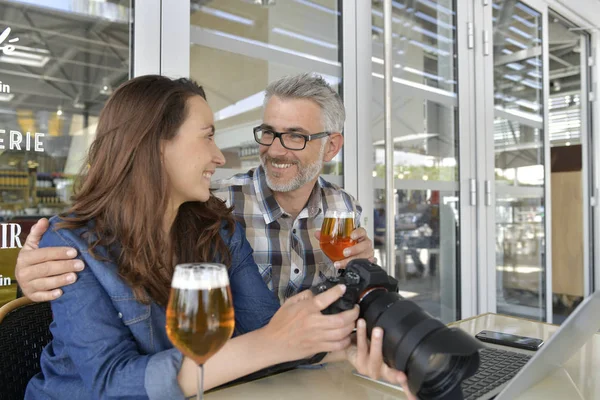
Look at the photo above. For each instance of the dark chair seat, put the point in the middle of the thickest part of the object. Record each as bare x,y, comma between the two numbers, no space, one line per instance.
24,331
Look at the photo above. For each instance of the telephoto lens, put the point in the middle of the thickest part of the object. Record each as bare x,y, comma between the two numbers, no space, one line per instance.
435,358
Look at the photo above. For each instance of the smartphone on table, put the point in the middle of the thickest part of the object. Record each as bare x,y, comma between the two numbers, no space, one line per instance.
510,340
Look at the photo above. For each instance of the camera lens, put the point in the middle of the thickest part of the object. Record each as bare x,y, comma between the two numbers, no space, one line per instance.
438,363
436,359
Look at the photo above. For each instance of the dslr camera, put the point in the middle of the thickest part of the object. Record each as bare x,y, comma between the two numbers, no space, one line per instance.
435,358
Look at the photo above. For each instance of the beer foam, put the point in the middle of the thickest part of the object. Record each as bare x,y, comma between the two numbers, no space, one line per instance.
200,277
339,214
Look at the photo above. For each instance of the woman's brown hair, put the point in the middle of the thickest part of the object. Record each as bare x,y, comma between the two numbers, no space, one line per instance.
122,196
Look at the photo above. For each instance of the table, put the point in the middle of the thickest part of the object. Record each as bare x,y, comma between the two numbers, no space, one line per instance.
578,379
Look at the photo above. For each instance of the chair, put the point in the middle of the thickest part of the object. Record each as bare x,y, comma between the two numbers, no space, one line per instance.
24,331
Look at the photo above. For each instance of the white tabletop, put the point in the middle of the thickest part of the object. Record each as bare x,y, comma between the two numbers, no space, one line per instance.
578,379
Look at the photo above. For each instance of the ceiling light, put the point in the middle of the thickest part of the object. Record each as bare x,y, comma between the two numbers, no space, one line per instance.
23,58
520,32
106,87
59,112
78,104
225,15
318,7
305,38
244,105
24,55
408,138
515,43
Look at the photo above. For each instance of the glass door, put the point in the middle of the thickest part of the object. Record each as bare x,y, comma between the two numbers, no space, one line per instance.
425,144
570,139
519,154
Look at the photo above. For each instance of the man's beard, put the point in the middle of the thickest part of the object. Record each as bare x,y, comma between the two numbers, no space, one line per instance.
306,173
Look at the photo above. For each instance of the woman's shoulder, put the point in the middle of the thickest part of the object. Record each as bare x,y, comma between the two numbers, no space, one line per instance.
235,236
99,266
80,238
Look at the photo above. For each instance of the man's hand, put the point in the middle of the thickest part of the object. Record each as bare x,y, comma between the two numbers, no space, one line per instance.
41,272
299,329
368,360
362,249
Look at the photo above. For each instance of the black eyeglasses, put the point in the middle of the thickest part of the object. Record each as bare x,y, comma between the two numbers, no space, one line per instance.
289,140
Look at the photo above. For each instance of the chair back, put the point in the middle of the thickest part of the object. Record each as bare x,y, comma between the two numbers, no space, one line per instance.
24,331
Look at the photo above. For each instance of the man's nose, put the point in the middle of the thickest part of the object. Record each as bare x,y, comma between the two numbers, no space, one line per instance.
277,148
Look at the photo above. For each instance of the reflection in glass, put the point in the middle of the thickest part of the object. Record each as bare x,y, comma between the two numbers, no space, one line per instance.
519,159
67,58
425,145
239,47
569,147
426,229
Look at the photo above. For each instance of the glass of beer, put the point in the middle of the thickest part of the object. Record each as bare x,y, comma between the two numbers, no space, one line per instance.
200,316
335,233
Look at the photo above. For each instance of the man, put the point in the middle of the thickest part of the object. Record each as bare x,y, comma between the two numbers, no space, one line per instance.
281,204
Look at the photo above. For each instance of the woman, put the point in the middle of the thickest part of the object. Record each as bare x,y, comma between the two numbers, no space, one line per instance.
144,205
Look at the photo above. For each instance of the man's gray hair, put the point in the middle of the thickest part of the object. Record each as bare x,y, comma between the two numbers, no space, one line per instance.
312,87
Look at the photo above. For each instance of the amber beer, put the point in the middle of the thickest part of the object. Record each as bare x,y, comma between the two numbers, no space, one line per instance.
335,233
200,317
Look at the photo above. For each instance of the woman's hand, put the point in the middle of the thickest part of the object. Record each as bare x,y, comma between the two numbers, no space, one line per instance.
368,360
300,330
297,330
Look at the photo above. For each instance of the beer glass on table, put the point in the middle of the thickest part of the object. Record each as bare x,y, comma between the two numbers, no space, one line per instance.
335,233
200,316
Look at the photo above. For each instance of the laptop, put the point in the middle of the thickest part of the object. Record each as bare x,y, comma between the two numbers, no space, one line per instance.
505,374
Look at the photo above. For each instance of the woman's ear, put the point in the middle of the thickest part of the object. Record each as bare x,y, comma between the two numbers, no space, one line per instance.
161,149
334,145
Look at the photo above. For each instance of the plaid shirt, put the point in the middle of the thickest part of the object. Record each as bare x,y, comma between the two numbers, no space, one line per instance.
286,251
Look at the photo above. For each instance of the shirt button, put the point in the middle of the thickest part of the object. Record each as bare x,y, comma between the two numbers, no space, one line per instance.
294,231
296,271
120,315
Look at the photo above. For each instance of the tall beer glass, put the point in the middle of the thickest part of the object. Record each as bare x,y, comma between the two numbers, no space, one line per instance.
200,312
335,233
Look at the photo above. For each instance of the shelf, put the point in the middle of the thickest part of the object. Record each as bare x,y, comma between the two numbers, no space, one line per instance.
13,188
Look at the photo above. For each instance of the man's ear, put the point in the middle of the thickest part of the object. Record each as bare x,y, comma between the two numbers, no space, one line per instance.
334,145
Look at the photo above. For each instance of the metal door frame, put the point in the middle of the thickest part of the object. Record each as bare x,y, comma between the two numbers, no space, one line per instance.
485,183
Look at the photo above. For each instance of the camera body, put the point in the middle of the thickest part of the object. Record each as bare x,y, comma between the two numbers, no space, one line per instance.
360,277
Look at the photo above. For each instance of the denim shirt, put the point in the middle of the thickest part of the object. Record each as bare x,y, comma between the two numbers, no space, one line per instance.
107,345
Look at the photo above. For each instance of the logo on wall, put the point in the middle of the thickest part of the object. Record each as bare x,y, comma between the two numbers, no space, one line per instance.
10,236
9,232
7,48
33,140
